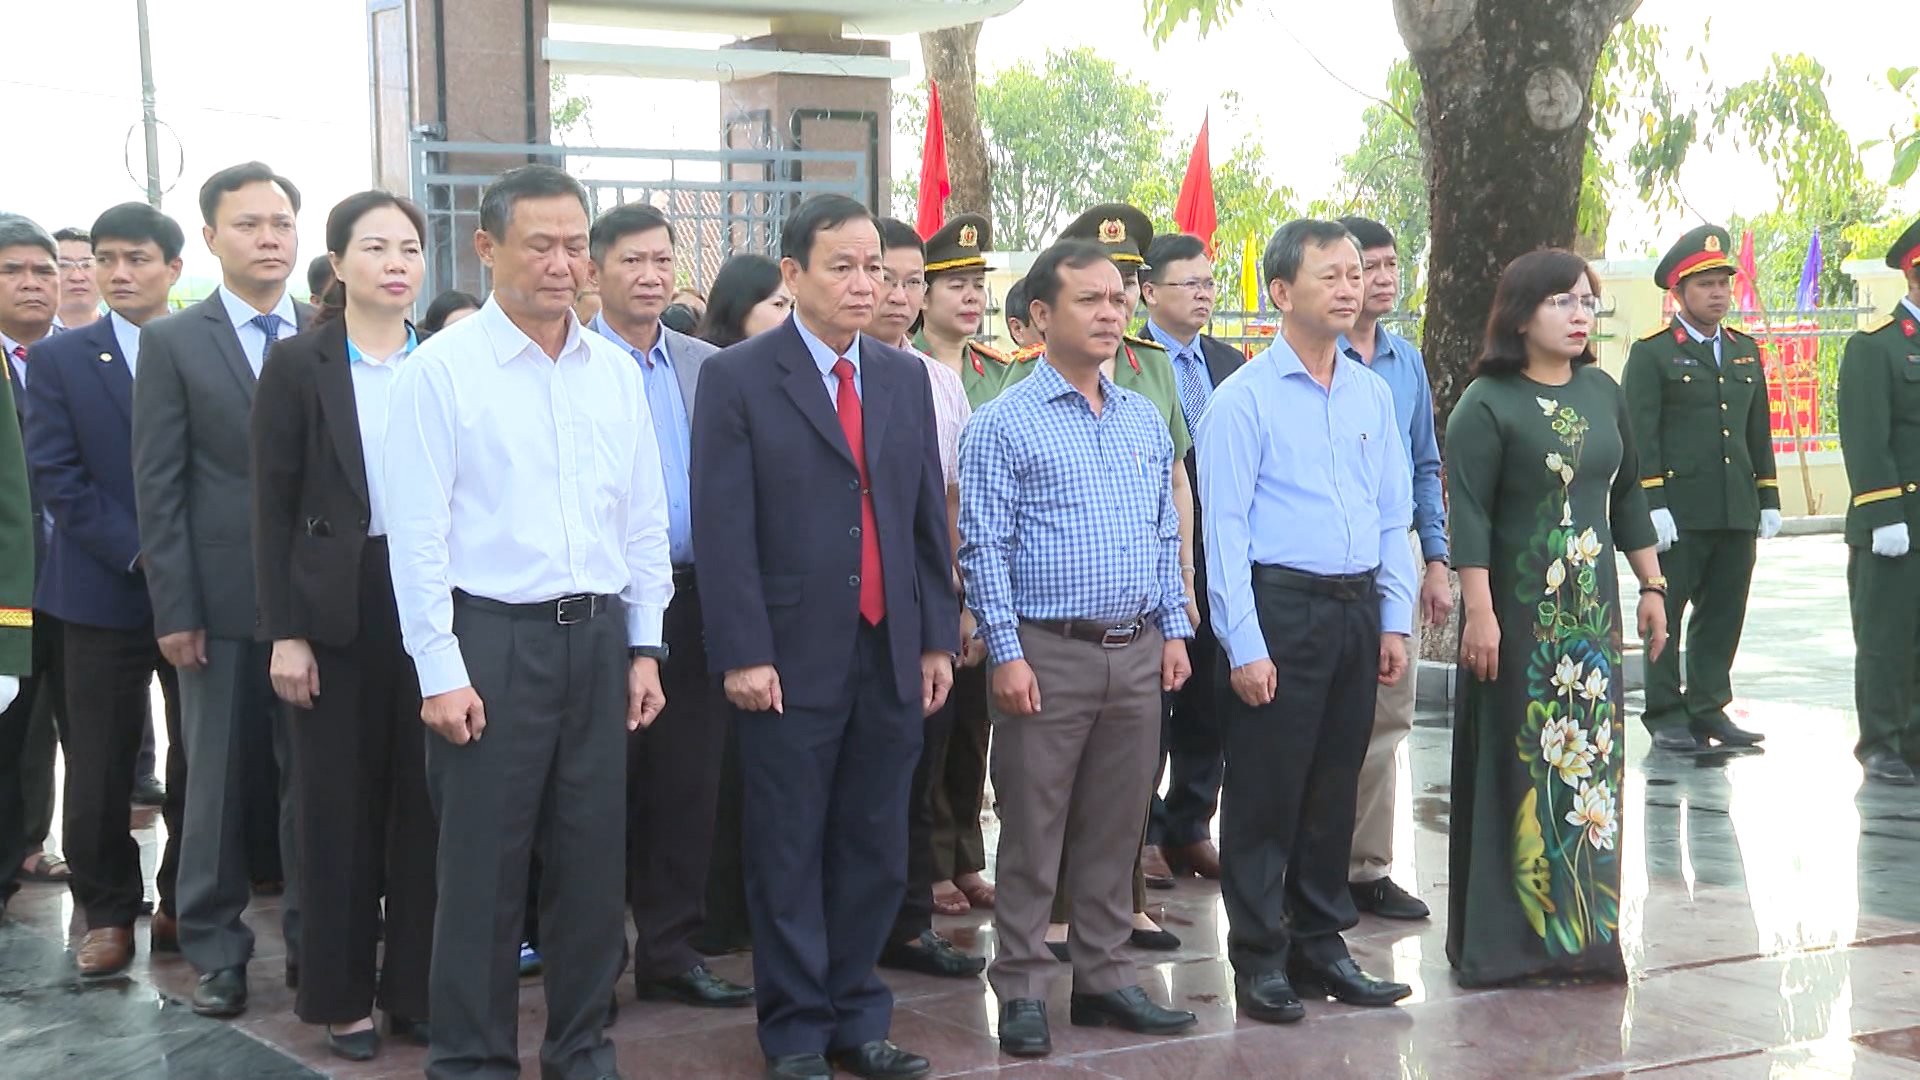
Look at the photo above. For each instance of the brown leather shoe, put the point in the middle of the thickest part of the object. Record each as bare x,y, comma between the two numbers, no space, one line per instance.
1199,857
163,933
1153,867
105,952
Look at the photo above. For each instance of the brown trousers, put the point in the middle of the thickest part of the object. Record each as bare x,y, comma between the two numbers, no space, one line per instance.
1075,775
1373,820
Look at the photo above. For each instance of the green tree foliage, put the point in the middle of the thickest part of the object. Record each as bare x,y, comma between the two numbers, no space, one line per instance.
1384,176
567,112
1247,201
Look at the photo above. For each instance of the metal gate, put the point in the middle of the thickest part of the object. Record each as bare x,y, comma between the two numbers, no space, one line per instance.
721,202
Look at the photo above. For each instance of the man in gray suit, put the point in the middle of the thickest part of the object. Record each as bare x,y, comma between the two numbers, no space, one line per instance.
192,490
673,766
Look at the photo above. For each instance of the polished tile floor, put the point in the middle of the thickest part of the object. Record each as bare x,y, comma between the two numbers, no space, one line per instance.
1772,916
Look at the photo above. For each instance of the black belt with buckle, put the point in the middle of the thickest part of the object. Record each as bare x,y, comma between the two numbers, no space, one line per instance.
683,578
1337,586
1104,634
564,611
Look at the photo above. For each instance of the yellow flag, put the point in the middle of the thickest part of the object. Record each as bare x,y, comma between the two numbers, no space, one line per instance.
1249,276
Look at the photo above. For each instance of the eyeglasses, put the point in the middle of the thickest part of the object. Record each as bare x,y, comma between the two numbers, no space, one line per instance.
913,284
1566,302
76,264
1197,286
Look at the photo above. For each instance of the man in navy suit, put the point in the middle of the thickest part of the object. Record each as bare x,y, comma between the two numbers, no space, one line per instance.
79,446
820,529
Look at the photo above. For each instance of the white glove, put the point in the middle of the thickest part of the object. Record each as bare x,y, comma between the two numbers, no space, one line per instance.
1890,541
1665,532
9,689
1769,524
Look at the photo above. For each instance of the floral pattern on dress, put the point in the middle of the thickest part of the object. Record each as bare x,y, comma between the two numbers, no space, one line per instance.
1567,826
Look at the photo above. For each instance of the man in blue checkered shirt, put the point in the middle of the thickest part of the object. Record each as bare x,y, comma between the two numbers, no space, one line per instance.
1071,551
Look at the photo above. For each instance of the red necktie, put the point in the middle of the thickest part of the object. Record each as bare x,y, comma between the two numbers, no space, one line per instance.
873,592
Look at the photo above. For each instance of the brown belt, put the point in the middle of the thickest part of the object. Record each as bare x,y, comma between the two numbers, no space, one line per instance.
1104,634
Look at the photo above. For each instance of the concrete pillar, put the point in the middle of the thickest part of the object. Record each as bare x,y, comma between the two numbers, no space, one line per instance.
815,112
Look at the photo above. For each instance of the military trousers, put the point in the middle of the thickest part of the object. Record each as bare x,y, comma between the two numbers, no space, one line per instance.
1885,596
1710,571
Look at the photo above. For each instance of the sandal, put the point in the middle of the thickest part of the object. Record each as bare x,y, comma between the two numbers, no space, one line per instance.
952,903
45,866
979,891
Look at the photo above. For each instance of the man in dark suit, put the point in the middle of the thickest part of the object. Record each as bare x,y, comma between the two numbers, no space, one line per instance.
192,486
825,578
79,443
673,764
1178,290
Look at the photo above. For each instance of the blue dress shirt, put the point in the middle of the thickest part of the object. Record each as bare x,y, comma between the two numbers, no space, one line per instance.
1068,515
1298,475
1396,360
1702,338
1191,379
671,429
373,402
823,358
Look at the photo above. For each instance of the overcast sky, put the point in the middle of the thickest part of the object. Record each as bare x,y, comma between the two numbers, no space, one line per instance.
287,82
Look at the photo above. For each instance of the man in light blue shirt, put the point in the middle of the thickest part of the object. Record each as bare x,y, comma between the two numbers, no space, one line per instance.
673,765
1309,497
1395,359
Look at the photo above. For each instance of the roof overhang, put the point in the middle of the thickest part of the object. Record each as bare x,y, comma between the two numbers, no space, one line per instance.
753,18
709,65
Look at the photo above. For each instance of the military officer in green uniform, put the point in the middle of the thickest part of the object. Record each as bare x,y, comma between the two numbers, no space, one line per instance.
1697,399
1880,441
956,306
16,635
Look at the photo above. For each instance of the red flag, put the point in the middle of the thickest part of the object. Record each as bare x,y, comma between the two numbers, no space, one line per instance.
1744,297
934,186
1194,211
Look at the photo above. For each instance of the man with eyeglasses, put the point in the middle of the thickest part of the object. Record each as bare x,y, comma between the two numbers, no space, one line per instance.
914,946
79,295
1398,361
1178,290
1697,398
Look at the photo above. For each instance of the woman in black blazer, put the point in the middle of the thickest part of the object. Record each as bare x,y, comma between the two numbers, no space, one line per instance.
365,825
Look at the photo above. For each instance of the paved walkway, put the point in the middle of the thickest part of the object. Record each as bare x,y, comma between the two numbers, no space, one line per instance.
1771,915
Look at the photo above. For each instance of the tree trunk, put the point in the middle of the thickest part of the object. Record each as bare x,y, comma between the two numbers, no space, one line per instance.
949,56
1505,127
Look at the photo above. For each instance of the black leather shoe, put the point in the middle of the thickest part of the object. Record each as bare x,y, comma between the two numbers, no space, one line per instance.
1678,740
1128,1007
881,1060
1157,940
1886,767
293,974
696,986
221,993
1023,1028
931,954
417,1032
1389,901
355,1046
149,791
1059,951
1725,732
1269,996
1344,981
799,1067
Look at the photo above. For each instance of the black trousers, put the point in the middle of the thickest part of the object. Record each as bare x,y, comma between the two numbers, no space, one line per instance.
1293,770
109,681
547,775
825,843
916,909
673,782
1190,748
366,827
13,826
726,926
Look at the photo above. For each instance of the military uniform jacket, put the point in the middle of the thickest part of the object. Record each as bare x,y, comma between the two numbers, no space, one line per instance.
17,529
1141,366
983,369
1879,401
1701,429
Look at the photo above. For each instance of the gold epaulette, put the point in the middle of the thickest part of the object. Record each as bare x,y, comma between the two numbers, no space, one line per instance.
1027,355
1658,331
989,352
1881,325
1736,331
1148,342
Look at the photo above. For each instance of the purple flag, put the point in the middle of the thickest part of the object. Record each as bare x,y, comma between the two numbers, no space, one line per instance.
1808,297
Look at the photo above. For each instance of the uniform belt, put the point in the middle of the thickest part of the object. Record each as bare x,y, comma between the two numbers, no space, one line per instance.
1104,634
1337,586
562,611
683,578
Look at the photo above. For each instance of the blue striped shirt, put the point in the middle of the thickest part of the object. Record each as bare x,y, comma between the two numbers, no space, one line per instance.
1068,515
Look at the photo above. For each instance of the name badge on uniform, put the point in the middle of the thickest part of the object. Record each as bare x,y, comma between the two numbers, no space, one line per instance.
1743,359
1686,361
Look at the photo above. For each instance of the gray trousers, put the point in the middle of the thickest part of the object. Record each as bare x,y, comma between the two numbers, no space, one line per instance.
548,775
1078,774
217,704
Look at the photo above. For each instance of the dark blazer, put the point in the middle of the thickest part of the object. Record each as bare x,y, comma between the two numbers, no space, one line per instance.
311,507
776,515
190,470
80,451
22,405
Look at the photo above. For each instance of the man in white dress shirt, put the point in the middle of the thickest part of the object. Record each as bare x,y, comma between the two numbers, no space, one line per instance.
530,565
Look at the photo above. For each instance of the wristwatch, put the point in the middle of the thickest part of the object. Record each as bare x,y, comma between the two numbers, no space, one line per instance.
648,652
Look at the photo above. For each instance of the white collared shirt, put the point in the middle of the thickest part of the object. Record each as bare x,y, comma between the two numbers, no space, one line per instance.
372,401
519,478
824,358
1911,306
950,412
252,341
1702,338
127,336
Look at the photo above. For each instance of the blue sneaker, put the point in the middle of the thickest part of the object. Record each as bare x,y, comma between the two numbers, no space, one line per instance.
530,964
